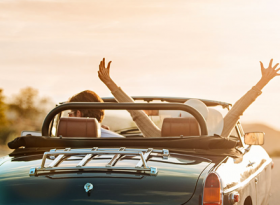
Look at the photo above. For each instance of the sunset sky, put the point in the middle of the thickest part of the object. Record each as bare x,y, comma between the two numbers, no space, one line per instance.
200,49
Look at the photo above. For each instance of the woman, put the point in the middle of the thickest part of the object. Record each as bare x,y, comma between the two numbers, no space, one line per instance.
149,129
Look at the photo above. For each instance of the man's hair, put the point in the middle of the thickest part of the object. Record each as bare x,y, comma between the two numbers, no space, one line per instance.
88,96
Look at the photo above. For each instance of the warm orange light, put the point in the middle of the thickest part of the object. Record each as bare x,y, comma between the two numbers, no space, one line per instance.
212,190
236,198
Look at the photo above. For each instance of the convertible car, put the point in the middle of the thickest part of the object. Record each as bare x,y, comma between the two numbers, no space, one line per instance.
70,163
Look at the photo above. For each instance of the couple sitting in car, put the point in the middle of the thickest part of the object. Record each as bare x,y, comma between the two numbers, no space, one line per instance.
144,123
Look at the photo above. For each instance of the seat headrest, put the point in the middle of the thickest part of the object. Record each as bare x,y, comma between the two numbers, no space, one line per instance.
180,126
78,127
215,122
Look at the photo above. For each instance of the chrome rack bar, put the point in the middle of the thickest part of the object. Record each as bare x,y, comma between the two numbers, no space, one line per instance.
164,152
91,168
159,151
87,158
89,154
144,158
115,158
153,170
58,159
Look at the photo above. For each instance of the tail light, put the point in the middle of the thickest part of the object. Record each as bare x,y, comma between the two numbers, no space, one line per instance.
212,194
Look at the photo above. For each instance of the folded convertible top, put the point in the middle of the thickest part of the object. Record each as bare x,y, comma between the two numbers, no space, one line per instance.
203,142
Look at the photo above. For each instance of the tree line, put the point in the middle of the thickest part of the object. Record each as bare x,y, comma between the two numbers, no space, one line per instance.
23,111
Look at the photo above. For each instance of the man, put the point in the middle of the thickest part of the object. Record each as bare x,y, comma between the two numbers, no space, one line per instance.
90,96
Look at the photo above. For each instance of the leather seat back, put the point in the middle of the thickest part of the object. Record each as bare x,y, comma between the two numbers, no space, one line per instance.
78,127
180,126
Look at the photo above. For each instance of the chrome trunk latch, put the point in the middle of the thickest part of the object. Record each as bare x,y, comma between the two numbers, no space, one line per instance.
88,187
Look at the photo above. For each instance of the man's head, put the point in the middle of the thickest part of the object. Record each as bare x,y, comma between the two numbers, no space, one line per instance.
87,96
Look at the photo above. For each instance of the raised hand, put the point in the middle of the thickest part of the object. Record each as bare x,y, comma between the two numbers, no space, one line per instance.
267,74
104,75
270,72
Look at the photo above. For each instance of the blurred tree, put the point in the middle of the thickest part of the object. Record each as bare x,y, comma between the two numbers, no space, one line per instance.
25,111
3,120
28,108
4,130
23,104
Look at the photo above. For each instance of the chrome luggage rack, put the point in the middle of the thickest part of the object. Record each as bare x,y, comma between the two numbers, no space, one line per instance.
59,155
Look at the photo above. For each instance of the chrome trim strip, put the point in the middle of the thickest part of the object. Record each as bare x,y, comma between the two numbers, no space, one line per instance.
151,170
4,159
241,184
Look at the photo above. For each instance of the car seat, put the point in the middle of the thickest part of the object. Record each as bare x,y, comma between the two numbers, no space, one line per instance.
187,126
78,127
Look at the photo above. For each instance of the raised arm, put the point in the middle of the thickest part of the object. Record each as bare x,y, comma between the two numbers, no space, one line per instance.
144,123
245,101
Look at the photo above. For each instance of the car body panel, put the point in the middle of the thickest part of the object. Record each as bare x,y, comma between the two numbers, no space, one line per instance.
250,177
175,183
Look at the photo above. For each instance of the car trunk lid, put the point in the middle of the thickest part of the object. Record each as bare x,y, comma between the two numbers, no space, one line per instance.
174,182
